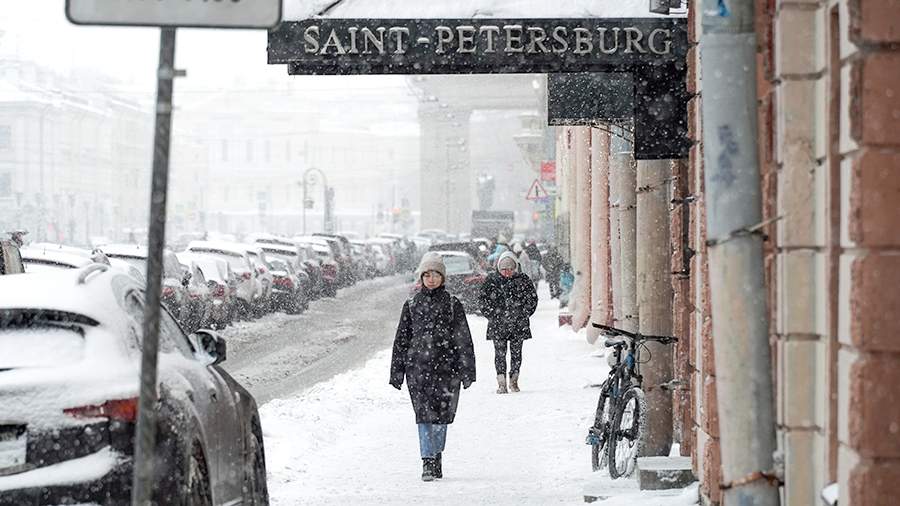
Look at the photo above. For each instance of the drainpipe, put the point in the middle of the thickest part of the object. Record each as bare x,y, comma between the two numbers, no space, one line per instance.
737,287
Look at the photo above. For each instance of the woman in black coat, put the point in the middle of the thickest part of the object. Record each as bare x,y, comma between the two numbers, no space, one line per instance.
433,351
508,298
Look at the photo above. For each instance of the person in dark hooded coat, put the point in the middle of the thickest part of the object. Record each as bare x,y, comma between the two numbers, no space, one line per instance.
508,298
433,352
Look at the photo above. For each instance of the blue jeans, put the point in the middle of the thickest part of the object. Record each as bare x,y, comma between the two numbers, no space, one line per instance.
432,437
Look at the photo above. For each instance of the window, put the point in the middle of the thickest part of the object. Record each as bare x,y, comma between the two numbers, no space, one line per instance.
267,151
5,137
249,151
224,150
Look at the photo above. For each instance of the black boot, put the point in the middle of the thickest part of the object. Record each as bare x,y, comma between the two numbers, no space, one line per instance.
438,472
428,466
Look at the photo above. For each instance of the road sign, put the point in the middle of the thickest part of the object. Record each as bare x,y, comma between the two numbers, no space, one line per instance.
548,170
536,192
218,14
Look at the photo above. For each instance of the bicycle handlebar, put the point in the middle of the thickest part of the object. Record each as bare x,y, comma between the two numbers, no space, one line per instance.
612,331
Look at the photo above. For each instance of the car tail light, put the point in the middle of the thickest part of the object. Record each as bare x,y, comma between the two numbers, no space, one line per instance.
245,275
284,282
219,291
123,410
261,270
168,291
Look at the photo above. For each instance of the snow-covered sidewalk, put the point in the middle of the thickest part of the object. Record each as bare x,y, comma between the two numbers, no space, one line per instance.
353,439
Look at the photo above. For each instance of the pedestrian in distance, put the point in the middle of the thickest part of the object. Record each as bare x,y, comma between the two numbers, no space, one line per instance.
552,263
530,267
433,352
508,299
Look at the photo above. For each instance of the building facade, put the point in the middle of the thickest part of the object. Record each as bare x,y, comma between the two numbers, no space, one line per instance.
828,80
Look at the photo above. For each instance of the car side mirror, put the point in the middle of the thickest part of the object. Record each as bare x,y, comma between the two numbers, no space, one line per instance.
212,347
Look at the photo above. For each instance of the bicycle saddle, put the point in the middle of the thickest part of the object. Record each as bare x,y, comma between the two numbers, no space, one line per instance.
615,341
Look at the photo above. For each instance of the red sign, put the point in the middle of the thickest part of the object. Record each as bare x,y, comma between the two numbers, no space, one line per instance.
548,171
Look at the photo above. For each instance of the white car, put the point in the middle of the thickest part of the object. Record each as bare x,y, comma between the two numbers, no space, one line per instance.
248,286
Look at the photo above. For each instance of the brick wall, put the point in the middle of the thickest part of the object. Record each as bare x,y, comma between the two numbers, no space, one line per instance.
869,274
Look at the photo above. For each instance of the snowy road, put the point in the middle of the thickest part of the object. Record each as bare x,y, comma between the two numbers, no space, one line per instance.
351,439
279,354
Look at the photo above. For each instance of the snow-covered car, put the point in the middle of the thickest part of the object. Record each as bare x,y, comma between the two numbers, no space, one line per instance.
199,299
264,277
236,256
10,259
174,292
42,259
222,284
70,355
294,256
340,250
322,252
287,292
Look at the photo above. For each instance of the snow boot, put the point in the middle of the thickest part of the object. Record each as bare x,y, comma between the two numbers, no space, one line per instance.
428,467
438,472
501,384
513,382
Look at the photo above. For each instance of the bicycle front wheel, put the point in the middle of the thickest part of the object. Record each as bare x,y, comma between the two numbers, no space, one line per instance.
626,434
599,433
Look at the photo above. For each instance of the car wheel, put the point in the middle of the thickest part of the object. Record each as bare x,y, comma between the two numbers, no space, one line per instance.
199,492
256,492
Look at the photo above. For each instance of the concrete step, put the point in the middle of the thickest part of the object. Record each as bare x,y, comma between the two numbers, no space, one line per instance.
661,473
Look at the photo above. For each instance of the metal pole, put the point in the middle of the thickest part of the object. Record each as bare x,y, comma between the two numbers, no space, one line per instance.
737,287
654,299
304,202
145,436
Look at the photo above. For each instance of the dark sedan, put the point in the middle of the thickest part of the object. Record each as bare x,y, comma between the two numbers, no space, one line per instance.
69,367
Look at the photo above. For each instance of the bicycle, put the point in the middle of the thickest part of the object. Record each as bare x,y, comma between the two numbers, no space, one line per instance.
618,429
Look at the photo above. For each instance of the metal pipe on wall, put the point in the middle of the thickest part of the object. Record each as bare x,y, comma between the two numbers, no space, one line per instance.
627,170
738,295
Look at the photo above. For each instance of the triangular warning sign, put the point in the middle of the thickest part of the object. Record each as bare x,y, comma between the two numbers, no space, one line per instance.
536,192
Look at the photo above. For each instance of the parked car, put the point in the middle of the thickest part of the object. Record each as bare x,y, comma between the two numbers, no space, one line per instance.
174,293
222,284
322,252
464,278
287,292
42,259
247,289
264,277
291,254
340,249
199,300
69,387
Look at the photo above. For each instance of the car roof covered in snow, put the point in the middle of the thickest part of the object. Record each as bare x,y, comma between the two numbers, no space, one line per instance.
124,250
90,291
233,248
63,258
453,254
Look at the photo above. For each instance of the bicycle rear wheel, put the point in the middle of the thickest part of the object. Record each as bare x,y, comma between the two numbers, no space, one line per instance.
626,434
598,435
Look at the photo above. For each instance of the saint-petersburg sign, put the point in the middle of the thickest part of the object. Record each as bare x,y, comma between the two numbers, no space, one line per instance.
445,46
600,69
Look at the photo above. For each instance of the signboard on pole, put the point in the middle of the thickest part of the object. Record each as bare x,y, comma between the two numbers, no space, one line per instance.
537,192
548,170
475,46
178,13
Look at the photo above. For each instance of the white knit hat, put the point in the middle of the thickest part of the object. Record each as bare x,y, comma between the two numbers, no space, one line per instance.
508,258
432,261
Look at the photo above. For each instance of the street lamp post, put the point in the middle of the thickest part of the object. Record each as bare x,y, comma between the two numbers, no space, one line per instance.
305,183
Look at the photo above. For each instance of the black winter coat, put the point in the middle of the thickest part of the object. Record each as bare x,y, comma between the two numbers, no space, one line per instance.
433,351
507,303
